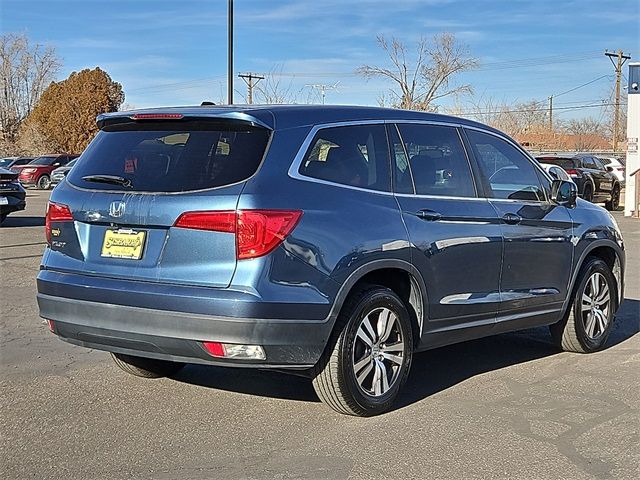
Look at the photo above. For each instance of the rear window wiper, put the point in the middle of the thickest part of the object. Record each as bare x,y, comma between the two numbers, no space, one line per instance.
113,179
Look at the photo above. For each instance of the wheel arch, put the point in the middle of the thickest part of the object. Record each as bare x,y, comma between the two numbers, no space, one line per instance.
611,254
398,275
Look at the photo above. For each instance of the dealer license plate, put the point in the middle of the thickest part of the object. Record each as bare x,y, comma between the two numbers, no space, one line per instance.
123,244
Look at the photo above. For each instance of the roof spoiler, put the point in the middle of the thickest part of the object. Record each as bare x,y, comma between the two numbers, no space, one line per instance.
231,118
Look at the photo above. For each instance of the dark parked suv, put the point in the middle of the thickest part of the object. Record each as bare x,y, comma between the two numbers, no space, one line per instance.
331,241
596,183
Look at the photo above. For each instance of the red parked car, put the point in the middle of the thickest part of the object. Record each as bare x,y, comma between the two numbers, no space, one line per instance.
38,172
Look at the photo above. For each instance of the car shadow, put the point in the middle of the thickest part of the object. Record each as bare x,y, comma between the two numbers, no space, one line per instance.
432,371
23,222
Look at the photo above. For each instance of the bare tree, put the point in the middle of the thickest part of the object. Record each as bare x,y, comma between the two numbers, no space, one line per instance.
426,77
25,72
274,90
586,133
517,118
608,113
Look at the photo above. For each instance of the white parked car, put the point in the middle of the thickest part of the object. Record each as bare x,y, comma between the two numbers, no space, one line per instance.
556,172
617,167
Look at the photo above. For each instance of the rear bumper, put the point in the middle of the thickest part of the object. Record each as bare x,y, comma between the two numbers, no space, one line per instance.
16,202
176,335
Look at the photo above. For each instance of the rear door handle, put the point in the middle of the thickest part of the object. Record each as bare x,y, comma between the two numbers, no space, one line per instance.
511,218
429,215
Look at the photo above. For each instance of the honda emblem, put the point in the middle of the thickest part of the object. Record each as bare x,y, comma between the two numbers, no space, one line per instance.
116,209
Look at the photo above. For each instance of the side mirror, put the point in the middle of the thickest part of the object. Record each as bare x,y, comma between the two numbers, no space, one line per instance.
57,164
609,168
564,193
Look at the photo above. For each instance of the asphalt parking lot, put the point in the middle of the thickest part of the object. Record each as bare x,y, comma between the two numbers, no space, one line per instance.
509,406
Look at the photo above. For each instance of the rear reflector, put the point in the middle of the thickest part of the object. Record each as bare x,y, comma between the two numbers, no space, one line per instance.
232,350
156,116
56,212
258,232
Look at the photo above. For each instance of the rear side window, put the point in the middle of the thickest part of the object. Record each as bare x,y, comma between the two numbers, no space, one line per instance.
171,157
437,160
589,163
507,171
353,155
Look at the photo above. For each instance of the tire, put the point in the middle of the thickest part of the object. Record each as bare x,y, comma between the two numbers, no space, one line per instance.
580,331
146,367
588,193
613,204
44,182
357,352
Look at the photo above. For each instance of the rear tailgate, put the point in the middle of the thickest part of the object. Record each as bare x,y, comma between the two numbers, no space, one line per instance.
124,228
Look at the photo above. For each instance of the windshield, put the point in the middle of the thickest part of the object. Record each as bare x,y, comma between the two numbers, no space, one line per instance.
170,157
71,163
44,161
5,162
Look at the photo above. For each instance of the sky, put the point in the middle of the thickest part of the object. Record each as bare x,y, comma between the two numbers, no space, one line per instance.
174,52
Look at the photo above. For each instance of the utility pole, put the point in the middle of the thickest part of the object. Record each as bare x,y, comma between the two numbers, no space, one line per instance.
621,58
230,53
249,80
323,89
551,113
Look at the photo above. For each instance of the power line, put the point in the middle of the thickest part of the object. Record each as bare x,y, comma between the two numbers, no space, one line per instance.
583,85
539,109
176,85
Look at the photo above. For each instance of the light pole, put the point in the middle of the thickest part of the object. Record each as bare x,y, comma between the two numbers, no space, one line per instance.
230,53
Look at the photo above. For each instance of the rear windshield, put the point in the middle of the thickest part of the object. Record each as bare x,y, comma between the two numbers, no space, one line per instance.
171,157
563,162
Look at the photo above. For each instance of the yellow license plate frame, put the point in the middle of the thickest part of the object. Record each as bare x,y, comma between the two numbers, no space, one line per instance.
120,243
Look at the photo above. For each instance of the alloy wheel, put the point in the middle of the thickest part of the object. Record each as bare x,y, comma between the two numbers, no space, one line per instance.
378,352
615,199
595,306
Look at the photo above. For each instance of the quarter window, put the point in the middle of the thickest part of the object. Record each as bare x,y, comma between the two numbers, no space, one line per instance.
508,172
352,155
437,160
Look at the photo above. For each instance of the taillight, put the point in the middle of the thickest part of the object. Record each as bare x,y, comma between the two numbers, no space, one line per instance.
258,232
573,172
56,212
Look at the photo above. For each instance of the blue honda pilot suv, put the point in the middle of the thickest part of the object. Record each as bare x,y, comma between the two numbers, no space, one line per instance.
331,241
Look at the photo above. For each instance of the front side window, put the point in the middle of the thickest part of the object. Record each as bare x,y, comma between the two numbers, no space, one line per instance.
437,160
507,171
351,155
599,164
